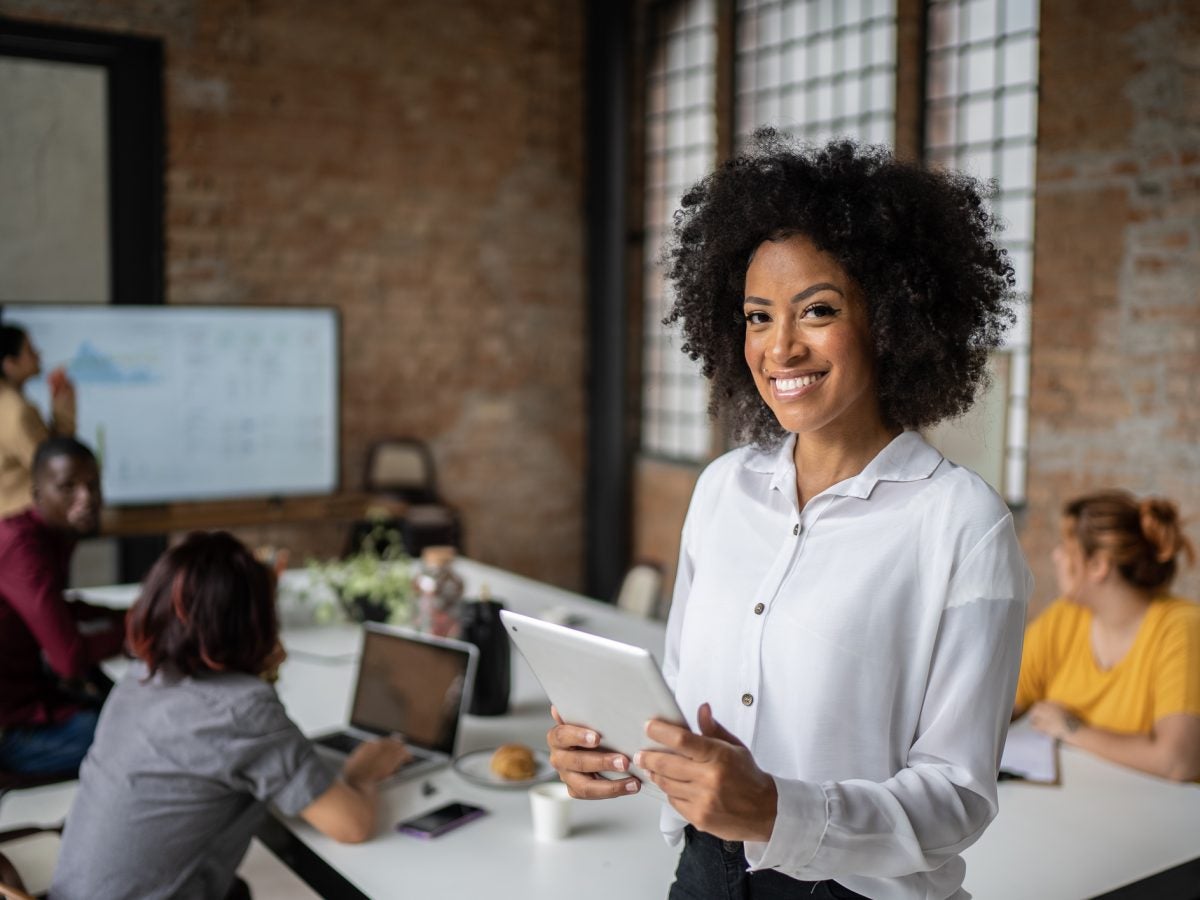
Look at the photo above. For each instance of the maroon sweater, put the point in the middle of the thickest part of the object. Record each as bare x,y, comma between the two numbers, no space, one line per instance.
37,623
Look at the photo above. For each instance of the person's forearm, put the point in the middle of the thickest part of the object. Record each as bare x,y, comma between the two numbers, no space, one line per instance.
345,812
62,417
1138,751
365,807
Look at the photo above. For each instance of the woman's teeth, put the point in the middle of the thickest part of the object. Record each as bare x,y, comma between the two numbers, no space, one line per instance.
794,384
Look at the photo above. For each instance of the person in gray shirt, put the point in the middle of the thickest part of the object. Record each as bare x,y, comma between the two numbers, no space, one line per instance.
194,742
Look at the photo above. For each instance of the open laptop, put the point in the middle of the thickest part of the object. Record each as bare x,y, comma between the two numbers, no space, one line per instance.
409,685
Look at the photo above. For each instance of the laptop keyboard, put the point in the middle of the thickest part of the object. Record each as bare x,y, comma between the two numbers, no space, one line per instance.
344,742
340,741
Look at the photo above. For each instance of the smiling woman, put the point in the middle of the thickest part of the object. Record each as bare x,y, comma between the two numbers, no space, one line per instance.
918,246
809,352
846,621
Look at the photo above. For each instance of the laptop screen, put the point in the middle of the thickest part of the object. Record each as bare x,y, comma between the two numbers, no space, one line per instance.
410,686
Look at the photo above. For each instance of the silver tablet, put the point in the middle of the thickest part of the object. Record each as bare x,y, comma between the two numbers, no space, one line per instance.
599,683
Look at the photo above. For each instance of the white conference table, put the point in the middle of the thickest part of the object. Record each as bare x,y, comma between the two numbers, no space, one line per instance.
613,845
1104,829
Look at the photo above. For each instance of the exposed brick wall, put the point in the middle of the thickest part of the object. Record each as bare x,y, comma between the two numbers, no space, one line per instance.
419,165
1115,393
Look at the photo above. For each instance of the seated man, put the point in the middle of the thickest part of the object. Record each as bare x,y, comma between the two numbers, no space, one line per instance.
50,686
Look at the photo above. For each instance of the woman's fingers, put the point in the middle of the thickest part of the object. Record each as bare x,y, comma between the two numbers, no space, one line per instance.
588,761
593,787
579,765
669,765
564,736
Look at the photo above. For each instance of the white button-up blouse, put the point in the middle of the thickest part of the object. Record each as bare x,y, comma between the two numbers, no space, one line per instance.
865,649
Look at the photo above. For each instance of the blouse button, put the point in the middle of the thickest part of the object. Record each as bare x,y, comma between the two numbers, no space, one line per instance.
758,608
747,699
796,528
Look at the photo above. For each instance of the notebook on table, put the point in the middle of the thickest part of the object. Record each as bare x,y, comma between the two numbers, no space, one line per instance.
409,685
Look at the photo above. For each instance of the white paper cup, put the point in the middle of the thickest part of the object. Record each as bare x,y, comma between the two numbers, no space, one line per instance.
550,806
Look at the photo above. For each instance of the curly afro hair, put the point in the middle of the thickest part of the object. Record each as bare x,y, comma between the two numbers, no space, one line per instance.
919,243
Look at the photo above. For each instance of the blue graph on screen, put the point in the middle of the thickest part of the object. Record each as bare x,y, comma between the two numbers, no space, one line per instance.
188,403
90,365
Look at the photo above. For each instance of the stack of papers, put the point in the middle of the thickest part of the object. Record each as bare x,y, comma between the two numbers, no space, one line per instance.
1030,754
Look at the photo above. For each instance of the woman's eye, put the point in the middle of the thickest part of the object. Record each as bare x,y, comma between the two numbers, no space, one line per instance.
757,317
819,311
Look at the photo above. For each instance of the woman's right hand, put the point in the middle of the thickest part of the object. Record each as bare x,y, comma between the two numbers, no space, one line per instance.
62,397
373,761
574,755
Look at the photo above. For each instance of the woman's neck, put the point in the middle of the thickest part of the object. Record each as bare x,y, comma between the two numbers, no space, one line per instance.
1118,608
824,460
1117,613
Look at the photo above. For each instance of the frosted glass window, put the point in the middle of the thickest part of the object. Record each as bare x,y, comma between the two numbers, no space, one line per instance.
981,115
980,68
977,120
680,149
836,65
1020,15
1016,168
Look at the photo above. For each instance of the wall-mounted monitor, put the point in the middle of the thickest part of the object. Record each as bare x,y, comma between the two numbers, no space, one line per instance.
196,403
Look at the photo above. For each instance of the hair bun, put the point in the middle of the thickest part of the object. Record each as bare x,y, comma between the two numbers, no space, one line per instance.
1160,525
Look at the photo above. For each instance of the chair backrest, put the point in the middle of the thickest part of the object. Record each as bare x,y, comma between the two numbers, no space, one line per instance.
641,590
31,854
11,885
12,893
402,467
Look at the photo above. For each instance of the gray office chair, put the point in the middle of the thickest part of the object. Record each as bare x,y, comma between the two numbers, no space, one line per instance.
11,892
641,590
27,861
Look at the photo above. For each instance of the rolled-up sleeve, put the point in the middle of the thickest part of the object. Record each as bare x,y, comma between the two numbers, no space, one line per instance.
273,761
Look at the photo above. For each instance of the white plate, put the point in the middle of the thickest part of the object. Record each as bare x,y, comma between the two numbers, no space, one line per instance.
476,767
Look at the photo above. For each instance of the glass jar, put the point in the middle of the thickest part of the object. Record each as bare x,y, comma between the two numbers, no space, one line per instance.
439,592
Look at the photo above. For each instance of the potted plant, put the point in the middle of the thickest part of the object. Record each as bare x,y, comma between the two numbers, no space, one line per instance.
373,584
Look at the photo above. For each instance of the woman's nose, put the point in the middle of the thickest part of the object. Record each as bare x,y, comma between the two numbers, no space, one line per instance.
786,344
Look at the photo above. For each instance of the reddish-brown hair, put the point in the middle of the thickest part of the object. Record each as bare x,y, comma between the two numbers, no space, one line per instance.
207,606
1143,538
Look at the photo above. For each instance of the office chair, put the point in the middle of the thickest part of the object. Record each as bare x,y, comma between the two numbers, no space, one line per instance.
641,590
10,892
402,468
28,861
401,471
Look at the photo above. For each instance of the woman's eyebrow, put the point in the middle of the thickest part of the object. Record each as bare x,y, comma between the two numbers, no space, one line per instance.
803,295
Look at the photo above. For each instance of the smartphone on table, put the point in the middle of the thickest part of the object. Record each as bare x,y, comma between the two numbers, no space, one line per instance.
439,821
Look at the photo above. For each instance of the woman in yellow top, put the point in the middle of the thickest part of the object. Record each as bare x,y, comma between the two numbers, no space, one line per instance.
1113,666
21,426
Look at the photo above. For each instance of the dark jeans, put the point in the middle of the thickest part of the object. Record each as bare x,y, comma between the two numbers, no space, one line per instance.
48,749
712,869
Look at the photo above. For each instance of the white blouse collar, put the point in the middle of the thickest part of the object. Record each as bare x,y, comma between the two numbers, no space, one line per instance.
906,458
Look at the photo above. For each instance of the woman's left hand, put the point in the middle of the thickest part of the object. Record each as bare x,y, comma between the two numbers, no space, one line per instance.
711,779
1053,719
